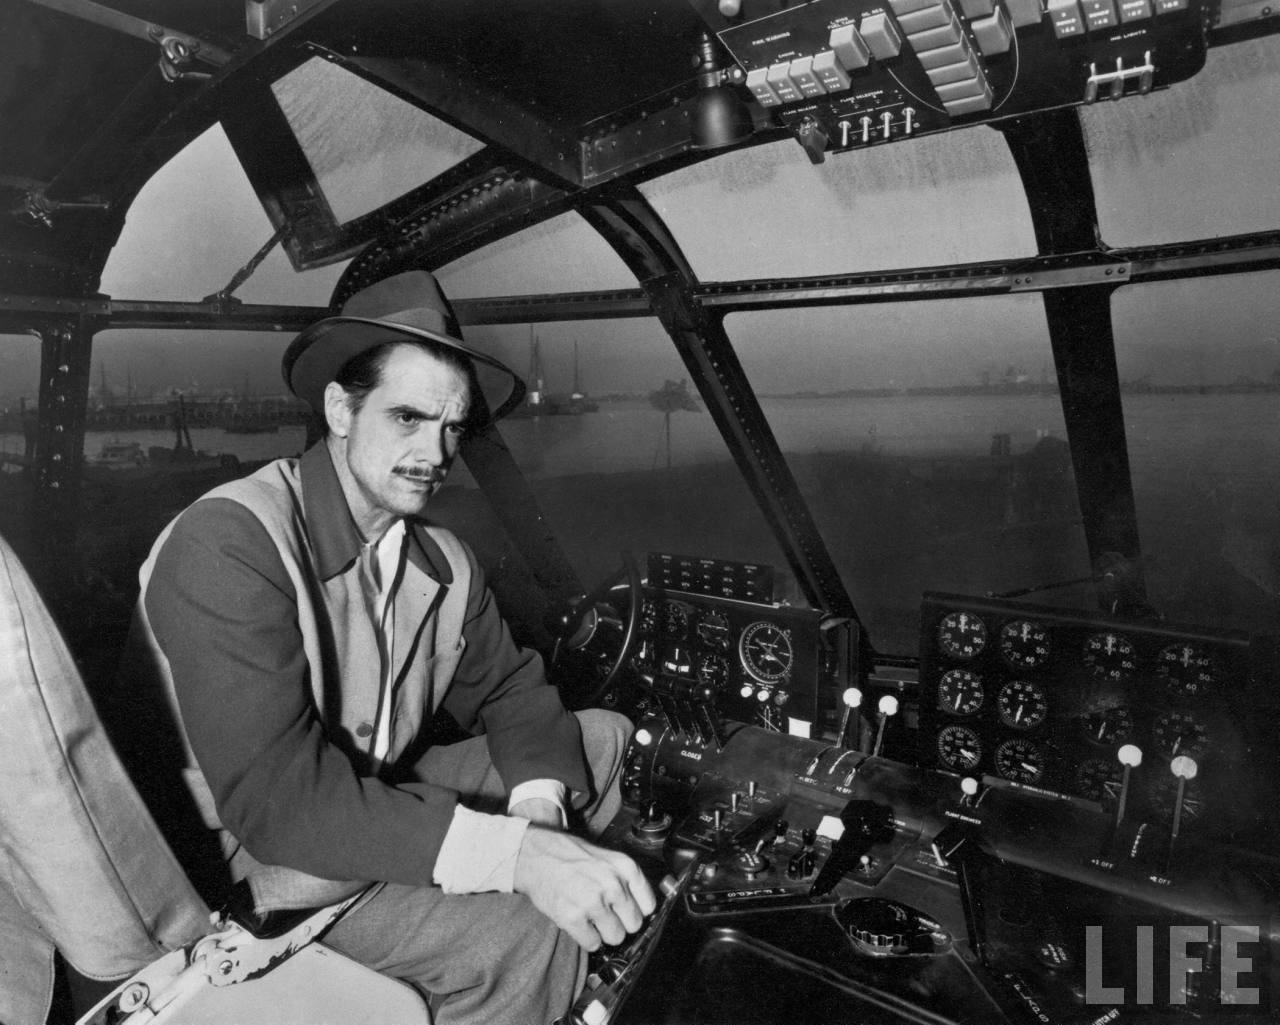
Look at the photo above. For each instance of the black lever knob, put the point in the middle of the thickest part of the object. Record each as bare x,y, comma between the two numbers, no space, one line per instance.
865,825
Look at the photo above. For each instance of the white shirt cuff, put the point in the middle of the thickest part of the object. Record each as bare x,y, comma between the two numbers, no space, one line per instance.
479,852
548,789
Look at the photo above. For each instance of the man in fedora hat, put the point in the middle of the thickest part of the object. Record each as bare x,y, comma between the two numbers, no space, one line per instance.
308,623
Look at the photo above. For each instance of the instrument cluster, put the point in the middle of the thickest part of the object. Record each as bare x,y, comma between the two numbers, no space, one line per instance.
761,660
1061,700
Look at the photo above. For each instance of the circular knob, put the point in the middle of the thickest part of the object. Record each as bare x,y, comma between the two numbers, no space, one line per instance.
750,863
808,836
730,8
1184,767
643,737
1130,755
746,691
852,697
780,828
969,785
762,695
888,705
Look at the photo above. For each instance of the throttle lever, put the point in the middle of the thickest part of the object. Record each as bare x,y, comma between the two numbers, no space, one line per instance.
866,824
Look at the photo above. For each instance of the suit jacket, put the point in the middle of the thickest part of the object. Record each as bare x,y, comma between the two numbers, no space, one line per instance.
252,612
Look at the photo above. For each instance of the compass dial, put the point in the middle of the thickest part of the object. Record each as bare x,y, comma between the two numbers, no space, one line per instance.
960,692
962,635
1186,669
1022,705
1024,644
959,748
1020,760
1110,656
765,650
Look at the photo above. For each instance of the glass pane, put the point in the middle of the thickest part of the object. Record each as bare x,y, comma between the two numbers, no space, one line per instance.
19,392
1201,364
767,212
928,440
365,146
564,254
612,471
1160,170
182,243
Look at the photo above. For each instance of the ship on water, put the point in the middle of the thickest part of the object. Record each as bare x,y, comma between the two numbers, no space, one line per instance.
540,402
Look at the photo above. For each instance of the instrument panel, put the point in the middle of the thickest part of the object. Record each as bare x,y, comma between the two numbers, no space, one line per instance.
713,645
1046,698
763,661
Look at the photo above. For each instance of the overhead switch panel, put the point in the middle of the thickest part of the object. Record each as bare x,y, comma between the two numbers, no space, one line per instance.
883,39
851,49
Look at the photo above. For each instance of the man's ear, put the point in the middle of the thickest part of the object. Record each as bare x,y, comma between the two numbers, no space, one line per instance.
337,410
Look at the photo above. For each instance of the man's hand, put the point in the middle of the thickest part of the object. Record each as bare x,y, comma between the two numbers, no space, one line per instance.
593,894
540,812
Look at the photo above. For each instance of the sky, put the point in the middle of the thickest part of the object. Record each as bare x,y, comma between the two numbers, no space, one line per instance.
769,212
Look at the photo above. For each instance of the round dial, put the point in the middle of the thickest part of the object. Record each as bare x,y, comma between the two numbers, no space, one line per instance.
713,669
960,692
765,650
1114,726
1177,733
1109,655
959,748
1019,760
1024,643
1163,792
962,635
1186,669
1099,780
713,630
1022,705
675,619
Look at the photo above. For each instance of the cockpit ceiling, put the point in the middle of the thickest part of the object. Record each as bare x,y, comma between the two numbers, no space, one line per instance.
538,101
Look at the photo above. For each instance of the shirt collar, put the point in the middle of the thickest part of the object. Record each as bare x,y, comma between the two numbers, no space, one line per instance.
334,534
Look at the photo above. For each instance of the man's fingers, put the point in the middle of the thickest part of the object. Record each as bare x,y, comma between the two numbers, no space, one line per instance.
640,889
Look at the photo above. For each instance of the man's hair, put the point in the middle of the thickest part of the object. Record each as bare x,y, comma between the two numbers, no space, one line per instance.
363,372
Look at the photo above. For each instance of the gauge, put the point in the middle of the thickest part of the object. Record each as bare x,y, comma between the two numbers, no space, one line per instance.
1019,760
675,619
713,631
959,748
1114,726
1022,705
1109,655
649,616
960,692
765,650
1177,733
713,670
1186,669
1024,644
1163,792
1099,780
962,635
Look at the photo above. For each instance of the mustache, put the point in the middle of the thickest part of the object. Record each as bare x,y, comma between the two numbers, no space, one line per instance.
430,476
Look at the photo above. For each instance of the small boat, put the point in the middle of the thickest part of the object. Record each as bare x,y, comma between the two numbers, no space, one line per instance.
120,454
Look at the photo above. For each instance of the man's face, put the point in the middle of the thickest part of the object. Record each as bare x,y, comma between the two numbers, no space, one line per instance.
392,455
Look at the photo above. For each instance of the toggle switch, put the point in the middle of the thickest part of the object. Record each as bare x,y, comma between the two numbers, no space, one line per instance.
886,124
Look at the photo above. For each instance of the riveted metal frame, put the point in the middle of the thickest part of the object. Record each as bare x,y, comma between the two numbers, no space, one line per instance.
627,222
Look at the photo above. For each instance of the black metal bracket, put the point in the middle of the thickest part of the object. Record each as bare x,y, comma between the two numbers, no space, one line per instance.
1049,151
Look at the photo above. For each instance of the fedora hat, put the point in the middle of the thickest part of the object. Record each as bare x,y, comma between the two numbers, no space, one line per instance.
404,306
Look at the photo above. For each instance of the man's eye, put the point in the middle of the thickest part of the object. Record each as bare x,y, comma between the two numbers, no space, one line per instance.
407,419
457,430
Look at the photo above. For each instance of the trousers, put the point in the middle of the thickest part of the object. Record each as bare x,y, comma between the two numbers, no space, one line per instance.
485,958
